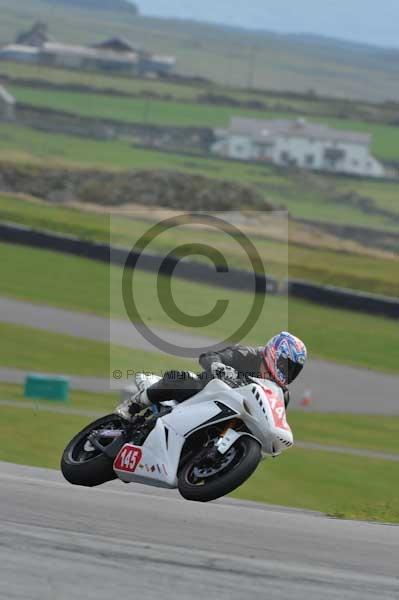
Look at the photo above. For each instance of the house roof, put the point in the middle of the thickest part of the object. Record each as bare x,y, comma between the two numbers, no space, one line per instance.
19,49
6,96
117,44
261,130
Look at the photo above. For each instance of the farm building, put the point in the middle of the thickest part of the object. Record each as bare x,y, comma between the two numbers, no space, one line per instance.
7,105
114,54
20,53
155,64
147,62
298,143
85,57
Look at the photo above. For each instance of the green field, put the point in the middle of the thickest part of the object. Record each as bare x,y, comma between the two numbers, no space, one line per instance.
325,266
99,81
77,400
343,486
157,112
80,284
306,195
339,485
38,350
36,438
307,104
370,432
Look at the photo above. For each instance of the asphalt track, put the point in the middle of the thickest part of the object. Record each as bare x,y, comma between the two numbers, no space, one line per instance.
59,542
334,388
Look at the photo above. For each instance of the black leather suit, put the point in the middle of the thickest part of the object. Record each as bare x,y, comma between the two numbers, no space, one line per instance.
181,385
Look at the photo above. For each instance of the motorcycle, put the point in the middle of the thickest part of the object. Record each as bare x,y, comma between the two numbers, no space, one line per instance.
205,447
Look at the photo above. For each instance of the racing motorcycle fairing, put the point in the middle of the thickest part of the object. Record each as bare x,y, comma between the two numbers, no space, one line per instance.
259,405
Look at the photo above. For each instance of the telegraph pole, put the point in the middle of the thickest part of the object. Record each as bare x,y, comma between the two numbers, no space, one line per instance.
251,66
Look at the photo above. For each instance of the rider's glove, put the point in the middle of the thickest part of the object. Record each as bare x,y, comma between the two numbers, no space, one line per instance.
221,371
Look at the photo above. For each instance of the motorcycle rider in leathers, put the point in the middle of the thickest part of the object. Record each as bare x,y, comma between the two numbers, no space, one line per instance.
281,361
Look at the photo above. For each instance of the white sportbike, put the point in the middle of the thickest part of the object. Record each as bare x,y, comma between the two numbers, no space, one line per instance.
206,446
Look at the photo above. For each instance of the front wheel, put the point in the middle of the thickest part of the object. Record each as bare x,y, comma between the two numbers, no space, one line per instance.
203,480
82,463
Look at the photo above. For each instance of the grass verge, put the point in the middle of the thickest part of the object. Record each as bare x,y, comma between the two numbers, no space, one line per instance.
78,399
339,485
37,350
365,432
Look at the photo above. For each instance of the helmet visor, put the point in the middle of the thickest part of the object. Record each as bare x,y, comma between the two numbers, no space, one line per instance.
289,369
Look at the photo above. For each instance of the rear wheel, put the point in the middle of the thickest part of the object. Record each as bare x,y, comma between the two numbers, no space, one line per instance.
84,464
203,479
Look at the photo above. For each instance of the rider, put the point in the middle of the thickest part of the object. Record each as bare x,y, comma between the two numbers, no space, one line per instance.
281,360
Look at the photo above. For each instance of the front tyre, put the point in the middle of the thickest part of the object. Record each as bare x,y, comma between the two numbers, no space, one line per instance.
203,481
82,463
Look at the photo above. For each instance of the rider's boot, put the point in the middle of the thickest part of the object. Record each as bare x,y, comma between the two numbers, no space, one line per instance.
138,401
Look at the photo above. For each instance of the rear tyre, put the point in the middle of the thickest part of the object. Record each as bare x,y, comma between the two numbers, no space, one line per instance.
206,482
81,463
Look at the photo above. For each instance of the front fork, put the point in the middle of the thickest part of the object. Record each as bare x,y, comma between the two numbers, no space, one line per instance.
229,436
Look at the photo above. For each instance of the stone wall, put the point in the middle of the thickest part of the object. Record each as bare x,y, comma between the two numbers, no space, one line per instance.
168,138
7,111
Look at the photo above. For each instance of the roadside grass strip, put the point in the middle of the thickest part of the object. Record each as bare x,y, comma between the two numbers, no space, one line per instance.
368,432
78,400
339,485
37,350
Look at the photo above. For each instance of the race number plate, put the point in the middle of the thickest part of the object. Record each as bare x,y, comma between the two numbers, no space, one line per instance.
278,410
128,458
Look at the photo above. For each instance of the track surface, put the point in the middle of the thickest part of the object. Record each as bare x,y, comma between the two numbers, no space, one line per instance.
62,542
335,388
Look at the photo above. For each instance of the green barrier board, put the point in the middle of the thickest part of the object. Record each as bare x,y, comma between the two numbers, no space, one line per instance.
47,387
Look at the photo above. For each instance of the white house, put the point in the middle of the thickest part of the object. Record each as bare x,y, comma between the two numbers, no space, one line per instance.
298,143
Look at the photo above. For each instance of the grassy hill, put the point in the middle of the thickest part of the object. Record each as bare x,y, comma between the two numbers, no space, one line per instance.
215,94
233,57
114,5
